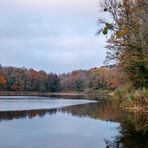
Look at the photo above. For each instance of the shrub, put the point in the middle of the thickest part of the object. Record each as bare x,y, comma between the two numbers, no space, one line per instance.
130,99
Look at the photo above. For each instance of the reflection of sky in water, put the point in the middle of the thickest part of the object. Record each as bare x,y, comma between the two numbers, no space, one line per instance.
60,130
32,103
76,126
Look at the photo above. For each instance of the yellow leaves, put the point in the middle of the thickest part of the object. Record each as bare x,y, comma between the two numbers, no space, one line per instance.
122,32
111,77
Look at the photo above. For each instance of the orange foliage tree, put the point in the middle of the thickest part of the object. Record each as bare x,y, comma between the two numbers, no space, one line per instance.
3,82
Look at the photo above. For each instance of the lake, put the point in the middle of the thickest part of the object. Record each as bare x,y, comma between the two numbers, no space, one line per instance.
56,122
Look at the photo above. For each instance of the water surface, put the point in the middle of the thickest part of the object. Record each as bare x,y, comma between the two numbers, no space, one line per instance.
19,103
74,124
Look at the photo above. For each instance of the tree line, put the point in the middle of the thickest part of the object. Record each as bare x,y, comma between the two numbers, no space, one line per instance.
22,79
92,79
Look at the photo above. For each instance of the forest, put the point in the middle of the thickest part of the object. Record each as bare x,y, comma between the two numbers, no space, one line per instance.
23,79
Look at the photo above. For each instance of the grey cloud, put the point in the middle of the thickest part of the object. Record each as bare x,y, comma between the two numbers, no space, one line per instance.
57,42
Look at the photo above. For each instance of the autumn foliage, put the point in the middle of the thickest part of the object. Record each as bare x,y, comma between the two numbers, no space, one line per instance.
2,82
128,42
95,78
22,79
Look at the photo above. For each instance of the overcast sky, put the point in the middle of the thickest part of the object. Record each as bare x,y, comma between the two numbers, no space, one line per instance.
52,35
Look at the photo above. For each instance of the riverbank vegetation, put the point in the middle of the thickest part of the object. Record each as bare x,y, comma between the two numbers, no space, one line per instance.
131,99
128,46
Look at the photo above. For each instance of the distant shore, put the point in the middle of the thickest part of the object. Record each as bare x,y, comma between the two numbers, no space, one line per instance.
66,95
27,93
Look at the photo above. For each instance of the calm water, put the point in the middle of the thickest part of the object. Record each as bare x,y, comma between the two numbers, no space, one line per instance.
43,122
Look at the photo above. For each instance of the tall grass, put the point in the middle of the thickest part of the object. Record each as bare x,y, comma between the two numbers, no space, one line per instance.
131,99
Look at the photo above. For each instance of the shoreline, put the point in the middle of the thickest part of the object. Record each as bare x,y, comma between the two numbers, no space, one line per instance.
66,95
82,95
18,93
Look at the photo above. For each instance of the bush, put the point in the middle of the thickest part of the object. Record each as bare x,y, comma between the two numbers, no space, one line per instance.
130,99
124,93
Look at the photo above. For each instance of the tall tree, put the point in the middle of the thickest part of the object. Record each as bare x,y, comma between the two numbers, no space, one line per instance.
128,42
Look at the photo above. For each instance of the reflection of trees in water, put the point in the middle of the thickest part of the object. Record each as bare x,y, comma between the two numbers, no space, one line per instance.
10,115
133,133
128,139
102,110
133,129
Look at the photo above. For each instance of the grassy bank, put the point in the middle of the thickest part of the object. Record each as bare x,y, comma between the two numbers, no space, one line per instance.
132,100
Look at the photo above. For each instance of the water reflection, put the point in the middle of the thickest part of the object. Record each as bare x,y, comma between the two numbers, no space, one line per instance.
133,130
10,115
133,133
103,111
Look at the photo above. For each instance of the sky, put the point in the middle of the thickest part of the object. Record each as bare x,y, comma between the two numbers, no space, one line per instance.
51,35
